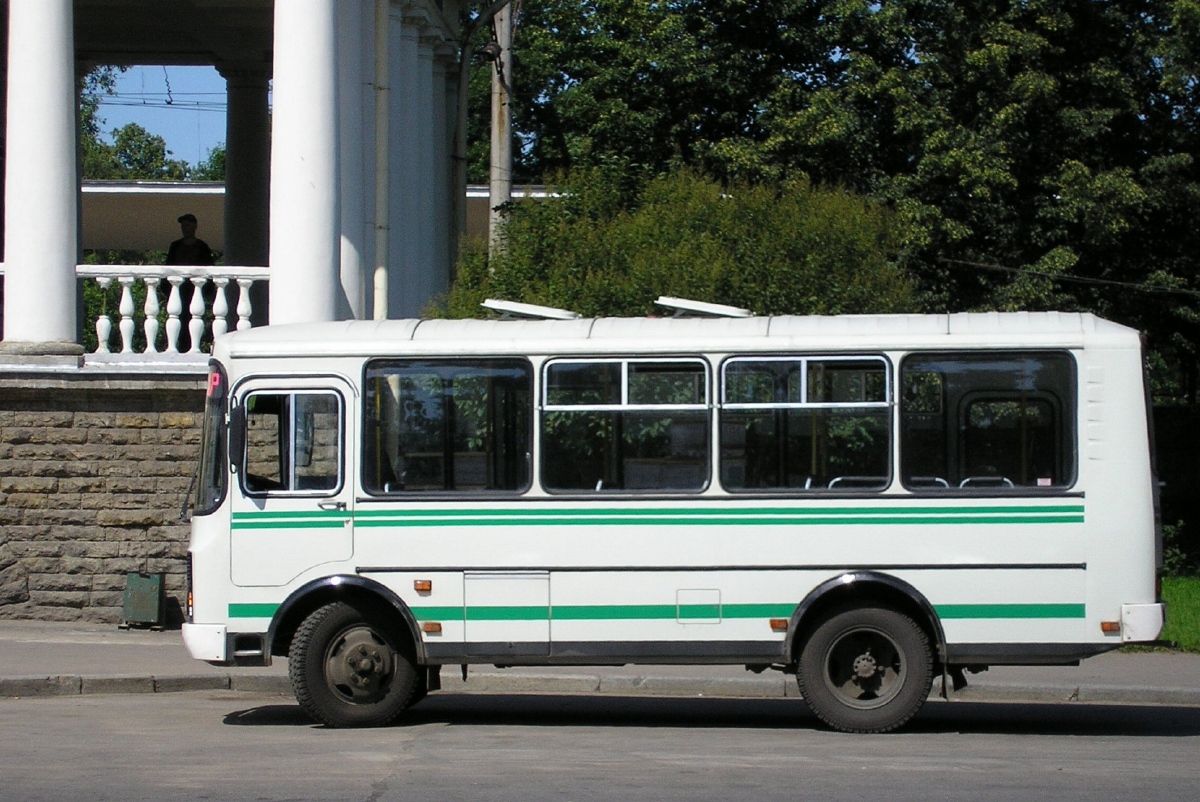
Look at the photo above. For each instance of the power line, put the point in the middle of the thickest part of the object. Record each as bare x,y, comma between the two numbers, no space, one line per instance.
162,105
1129,285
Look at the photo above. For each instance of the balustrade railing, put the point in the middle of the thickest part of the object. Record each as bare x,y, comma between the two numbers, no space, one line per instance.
155,302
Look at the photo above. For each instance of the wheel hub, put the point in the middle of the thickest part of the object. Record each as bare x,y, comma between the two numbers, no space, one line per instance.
359,665
865,666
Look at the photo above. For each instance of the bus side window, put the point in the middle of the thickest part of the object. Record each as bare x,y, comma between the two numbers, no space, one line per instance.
987,421
805,424
438,425
293,442
625,424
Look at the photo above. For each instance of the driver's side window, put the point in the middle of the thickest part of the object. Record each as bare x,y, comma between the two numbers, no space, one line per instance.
293,442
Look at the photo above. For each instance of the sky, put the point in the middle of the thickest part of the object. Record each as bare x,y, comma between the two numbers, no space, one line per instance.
183,105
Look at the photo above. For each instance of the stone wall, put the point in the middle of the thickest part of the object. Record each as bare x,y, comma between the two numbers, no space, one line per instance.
93,473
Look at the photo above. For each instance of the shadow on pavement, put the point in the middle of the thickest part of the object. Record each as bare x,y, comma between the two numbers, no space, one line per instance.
975,718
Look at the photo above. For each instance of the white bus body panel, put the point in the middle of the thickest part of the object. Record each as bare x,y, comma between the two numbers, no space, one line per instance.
710,567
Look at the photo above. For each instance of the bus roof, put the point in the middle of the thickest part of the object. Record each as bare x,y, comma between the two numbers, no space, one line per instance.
678,335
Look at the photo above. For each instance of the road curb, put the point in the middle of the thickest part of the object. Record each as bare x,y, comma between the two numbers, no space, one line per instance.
761,687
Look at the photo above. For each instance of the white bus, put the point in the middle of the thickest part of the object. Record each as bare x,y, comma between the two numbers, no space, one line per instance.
866,502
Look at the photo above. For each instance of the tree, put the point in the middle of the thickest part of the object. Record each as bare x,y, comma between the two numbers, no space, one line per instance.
649,84
607,244
212,168
143,155
98,157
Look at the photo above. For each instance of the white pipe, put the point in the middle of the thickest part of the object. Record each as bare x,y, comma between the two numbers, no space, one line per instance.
382,152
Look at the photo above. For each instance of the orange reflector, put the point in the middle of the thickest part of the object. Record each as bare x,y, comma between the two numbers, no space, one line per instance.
779,624
423,585
1110,627
432,628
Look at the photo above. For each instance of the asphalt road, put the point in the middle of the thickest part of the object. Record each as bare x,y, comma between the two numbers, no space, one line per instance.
224,745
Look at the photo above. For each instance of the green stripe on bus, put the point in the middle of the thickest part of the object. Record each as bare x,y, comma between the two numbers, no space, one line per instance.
837,516
828,516
252,610
604,612
979,611
603,521
630,612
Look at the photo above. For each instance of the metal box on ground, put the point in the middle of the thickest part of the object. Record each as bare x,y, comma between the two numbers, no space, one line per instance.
144,597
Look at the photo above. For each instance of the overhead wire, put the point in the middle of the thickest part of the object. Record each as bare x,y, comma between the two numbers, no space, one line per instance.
1129,285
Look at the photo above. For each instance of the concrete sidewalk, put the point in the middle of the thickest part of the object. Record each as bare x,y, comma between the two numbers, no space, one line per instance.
48,659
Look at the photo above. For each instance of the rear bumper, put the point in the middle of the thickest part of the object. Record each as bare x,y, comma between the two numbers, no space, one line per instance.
1142,622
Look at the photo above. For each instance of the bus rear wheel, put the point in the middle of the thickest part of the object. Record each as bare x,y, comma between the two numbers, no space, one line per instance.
351,668
866,669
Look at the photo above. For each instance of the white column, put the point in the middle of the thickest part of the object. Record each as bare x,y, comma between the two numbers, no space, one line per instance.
306,224
353,32
403,272
444,175
41,245
431,283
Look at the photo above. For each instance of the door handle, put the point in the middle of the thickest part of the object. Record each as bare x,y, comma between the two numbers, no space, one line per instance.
332,505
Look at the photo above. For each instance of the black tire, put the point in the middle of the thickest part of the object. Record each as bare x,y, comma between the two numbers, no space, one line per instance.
351,668
865,669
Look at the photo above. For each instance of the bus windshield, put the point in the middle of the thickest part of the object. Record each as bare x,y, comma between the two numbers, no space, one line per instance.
210,479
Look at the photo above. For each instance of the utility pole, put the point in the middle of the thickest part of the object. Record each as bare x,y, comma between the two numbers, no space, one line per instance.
501,154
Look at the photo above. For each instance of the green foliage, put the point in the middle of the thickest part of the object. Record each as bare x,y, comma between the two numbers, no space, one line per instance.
212,168
608,245
1179,557
652,84
1053,138
1182,595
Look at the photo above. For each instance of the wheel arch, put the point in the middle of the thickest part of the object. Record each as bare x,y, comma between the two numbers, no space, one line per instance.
863,587
348,588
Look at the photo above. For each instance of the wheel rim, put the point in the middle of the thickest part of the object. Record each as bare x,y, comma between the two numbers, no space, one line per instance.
359,665
864,668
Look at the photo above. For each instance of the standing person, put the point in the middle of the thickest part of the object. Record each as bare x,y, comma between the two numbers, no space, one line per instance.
187,250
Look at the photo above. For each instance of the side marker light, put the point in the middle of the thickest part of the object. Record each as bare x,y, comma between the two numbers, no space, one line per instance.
779,625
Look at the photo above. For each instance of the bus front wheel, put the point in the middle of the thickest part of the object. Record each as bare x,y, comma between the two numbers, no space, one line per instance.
866,669
351,668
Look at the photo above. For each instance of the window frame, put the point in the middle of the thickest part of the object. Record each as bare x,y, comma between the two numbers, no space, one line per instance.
433,494
1066,447
623,406
292,392
889,404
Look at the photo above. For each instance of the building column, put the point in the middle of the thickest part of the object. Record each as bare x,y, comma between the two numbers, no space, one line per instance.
404,266
355,27
305,250
41,185
247,164
445,85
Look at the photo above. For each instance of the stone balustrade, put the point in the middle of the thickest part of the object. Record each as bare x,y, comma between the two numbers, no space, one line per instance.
219,301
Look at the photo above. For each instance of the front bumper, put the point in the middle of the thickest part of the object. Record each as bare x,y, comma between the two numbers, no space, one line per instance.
209,642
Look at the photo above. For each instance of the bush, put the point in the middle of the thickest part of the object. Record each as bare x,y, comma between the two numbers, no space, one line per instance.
1177,559
604,244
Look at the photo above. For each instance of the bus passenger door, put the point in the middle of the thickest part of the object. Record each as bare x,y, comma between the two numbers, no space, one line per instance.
293,492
